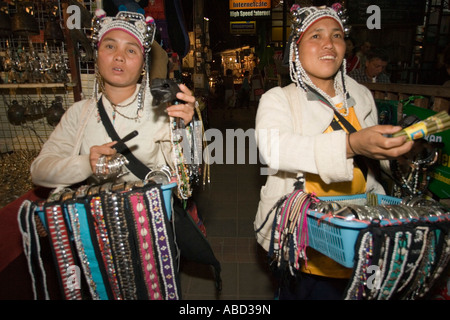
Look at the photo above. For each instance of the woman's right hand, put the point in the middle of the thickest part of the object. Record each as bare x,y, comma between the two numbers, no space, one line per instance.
373,143
97,151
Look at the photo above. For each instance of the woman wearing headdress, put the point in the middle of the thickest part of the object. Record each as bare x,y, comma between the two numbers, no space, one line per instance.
309,147
79,146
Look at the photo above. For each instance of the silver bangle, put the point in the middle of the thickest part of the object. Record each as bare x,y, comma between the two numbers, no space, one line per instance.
111,168
100,166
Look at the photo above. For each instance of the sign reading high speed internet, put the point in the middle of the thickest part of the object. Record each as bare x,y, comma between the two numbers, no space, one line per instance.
249,9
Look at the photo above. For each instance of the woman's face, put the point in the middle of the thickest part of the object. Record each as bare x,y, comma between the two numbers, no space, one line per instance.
321,51
120,59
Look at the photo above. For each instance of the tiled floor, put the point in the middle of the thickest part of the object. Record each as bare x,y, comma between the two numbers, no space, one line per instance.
228,207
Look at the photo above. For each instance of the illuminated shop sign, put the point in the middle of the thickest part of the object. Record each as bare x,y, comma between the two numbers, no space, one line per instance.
243,27
249,9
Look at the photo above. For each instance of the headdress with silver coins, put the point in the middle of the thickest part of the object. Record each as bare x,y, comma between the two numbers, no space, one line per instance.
136,24
302,19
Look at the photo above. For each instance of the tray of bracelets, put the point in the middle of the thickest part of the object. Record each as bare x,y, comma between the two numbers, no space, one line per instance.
334,223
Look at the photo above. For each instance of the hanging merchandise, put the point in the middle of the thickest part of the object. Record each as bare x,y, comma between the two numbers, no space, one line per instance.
53,32
397,248
109,242
23,22
55,111
409,259
413,173
186,140
16,113
289,238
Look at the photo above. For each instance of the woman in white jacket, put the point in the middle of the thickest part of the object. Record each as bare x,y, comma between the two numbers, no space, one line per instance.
79,145
306,145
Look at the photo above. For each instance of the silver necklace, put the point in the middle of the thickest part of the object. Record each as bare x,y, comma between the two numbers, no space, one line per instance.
139,97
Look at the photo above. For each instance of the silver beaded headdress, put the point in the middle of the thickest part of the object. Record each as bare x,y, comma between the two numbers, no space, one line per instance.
137,25
302,19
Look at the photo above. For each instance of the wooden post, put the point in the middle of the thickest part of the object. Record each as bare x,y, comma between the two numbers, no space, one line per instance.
73,57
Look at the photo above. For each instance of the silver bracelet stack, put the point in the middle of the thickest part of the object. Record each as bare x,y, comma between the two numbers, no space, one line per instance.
111,168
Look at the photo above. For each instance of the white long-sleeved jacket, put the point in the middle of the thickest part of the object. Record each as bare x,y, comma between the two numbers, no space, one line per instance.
301,146
64,158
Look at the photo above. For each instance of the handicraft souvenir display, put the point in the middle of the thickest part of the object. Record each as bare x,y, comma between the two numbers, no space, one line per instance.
399,261
397,248
289,238
109,242
412,172
402,251
186,141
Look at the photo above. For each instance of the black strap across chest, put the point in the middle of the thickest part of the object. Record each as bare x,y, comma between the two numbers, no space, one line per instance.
139,169
362,162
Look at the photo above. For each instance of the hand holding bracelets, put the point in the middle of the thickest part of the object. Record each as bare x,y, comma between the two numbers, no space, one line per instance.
111,168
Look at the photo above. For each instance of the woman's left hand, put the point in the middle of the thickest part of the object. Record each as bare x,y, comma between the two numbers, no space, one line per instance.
183,110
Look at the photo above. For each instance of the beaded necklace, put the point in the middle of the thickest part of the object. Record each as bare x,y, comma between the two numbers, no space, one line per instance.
290,231
140,96
177,136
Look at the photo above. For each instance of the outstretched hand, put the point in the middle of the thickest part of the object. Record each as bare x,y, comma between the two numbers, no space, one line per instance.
183,110
373,143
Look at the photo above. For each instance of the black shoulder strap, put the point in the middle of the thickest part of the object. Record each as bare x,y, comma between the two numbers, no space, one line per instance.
361,161
137,167
344,122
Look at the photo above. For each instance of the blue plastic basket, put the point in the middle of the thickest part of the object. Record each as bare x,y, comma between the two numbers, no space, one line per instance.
335,237
167,195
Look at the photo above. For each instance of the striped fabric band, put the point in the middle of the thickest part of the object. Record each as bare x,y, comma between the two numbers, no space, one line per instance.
165,256
63,253
145,237
99,224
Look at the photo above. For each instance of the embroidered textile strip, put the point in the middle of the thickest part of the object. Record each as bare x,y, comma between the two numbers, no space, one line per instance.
144,235
119,237
363,254
105,245
406,258
86,251
420,276
59,236
165,256
417,250
402,242
443,260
